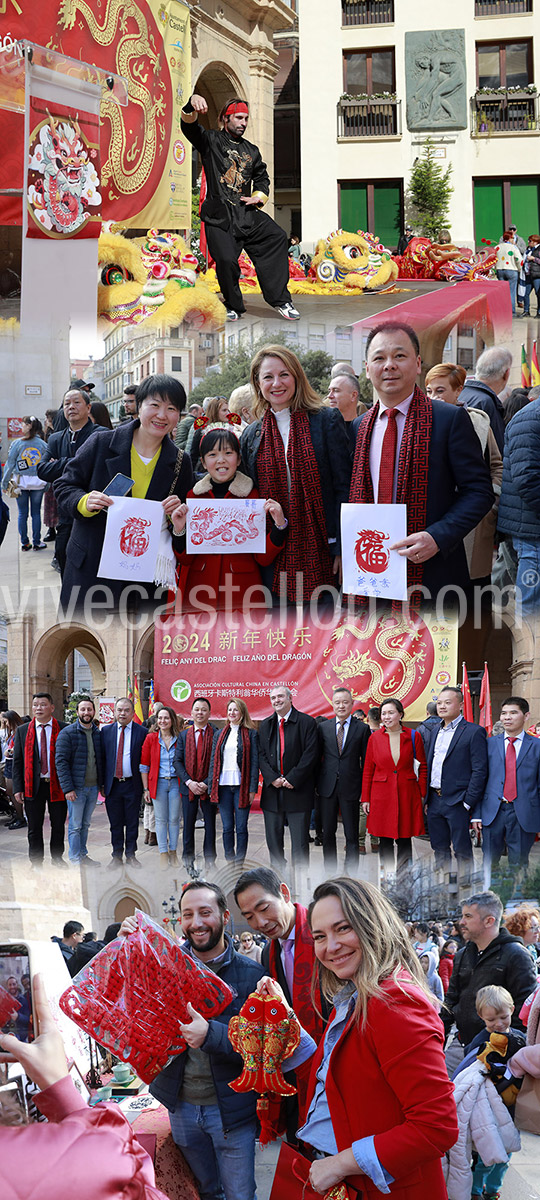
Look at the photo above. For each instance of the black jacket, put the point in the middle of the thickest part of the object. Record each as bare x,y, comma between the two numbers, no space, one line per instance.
519,507
344,771
505,963
465,767
61,447
106,454
236,1108
300,760
332,451
477,394
459,494
18,760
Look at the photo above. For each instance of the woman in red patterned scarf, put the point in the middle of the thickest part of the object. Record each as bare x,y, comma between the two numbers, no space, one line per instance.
297,451
234,777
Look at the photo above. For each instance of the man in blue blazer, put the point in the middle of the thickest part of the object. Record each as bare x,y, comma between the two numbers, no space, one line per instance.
122,744
436,455
510,810
457,773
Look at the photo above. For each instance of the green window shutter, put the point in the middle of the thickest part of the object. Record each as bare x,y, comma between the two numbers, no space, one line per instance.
353,206
388,216
488,210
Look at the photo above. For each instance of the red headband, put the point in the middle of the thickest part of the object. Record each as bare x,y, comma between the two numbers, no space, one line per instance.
235,108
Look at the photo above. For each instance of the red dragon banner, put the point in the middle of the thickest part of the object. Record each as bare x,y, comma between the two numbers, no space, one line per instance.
146,170
221,656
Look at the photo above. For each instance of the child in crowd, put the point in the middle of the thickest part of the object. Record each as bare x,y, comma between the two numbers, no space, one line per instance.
446,964
495,1007
428,963
223,579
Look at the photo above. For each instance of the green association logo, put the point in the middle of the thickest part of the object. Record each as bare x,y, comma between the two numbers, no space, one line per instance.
181,690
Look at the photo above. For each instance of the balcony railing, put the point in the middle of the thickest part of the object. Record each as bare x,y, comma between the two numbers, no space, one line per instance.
504,112
501,8
369,118
367,12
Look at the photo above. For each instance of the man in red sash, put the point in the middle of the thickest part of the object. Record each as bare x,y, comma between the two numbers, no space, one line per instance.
35,781
424,454
192,765
265,903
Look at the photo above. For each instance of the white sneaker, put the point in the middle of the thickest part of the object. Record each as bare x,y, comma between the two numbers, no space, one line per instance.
233,315
288,311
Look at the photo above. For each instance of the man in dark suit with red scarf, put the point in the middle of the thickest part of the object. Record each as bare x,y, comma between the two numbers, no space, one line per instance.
289,957
422,453
35,781
192,765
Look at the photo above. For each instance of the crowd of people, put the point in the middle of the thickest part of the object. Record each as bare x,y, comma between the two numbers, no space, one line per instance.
445,781
374,1001
439,452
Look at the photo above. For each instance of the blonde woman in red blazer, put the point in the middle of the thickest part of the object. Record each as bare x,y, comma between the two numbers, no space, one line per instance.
392,795
380,1108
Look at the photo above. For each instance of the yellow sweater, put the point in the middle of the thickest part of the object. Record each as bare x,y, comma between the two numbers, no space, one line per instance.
141,473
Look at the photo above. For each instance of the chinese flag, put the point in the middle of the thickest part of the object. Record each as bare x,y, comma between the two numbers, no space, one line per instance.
139,715
525,369
535,369
486,717
467,699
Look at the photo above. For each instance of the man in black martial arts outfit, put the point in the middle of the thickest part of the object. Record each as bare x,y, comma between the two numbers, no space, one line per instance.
231,211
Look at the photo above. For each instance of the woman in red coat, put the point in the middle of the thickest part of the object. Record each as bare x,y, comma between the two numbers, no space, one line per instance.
381,1108
224,579
392,796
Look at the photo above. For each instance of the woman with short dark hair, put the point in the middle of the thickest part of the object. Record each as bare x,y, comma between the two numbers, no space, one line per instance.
143,451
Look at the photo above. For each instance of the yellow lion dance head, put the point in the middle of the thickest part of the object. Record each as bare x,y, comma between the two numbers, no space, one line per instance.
355,260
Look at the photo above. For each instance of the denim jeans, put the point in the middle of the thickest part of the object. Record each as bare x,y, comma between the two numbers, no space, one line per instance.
80,814
30,502
229,809
528,573
529,286
167,810
488,1179
512,278
223,1163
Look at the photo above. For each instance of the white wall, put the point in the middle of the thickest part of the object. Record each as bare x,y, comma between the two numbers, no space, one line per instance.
324,161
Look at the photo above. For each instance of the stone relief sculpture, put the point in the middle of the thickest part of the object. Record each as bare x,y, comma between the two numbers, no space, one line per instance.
435,79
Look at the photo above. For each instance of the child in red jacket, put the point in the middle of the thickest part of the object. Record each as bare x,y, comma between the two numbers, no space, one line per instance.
222,580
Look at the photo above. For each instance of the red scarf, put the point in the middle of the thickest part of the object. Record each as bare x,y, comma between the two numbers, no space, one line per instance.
245,769
412,469
191,756
306,547
56,790
304,959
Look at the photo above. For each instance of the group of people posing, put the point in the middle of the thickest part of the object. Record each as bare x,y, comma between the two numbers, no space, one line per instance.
348,971
304,459
446,779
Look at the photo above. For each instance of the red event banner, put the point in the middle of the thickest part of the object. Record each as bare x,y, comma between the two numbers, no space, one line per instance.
145,174
374,657
63,195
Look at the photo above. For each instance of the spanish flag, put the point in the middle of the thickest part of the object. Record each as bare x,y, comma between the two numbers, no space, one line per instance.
535,369
525,369
139,715
467,698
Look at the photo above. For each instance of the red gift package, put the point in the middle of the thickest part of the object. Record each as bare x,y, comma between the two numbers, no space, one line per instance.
133,996
8,1006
